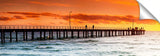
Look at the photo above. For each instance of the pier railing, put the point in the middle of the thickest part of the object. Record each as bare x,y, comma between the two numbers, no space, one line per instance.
55,27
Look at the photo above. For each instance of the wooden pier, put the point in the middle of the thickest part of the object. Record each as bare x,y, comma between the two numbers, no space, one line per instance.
63,32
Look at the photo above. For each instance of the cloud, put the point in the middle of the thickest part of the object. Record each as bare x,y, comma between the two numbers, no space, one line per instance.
49,4
18,17
24,13
49,14
84,18
3,18
32,16
35,15
106,19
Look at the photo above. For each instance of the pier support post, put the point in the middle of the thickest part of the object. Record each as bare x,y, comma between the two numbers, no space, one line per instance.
101,34
10,36
86,34
32,35
49,35
109,33
112,33
133,32
115,32
57,34
72,34
92,34
136,32
40,35
2,37
16,36
64,34
128,32
123,32
44,36
78,34
96,34
52,35
83,34
26,35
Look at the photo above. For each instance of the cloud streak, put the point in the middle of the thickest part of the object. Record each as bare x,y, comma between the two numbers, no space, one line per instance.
100,18
5,18
83,18
32,14
49,4
106,19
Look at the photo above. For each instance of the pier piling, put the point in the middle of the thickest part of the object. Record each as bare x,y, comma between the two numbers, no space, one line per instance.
16,36
72,34
26,36
66,34
10,36
32,35
78,34
40,35
44,36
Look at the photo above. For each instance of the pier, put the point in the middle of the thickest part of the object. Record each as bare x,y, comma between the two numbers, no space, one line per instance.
62,32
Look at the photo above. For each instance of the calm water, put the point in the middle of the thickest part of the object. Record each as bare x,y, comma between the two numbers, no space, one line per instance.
140,45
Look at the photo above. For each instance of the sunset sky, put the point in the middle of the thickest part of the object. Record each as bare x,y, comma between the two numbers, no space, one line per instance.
108,13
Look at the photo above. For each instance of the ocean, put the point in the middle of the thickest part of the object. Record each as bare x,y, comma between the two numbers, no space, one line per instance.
137,45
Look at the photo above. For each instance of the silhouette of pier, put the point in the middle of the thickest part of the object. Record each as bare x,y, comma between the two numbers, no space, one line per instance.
63,32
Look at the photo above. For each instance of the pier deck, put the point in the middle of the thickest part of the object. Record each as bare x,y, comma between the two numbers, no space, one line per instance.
63,32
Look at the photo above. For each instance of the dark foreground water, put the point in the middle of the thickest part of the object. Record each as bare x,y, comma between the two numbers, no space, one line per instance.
140,45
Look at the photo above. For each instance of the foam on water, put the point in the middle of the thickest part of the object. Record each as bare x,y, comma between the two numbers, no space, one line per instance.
138,45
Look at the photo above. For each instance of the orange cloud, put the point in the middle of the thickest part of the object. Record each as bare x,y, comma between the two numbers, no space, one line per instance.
5,18
106,19
49,4
84,18
24,13
18,17
32,14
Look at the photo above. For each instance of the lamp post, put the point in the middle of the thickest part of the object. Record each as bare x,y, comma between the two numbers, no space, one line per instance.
70,19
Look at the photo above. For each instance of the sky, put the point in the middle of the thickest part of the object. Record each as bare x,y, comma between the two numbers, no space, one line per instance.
101,13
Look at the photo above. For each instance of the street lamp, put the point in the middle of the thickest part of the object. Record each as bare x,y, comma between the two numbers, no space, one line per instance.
70,19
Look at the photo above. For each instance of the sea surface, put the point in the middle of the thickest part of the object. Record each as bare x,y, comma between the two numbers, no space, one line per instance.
137,45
